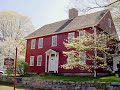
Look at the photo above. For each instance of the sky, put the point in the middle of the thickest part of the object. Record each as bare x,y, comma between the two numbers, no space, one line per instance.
41,12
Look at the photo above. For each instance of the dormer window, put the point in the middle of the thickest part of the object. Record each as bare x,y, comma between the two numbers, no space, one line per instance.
70,37
54,40
33,42
109,23
40,43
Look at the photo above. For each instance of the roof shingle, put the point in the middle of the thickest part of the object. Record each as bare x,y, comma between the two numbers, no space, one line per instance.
67,25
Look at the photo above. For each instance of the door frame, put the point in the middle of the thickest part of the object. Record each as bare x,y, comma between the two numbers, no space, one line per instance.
48,56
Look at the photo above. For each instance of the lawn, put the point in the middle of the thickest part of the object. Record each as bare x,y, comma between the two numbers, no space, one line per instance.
2,87
76,78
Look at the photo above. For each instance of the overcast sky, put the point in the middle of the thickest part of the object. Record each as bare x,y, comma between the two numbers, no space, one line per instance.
41,12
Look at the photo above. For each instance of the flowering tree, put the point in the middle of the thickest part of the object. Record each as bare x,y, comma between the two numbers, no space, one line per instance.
91,42
13,28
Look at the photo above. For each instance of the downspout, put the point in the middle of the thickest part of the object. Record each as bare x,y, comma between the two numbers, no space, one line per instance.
95,51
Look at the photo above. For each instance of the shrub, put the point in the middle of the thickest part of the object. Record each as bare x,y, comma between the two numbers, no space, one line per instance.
22,67
9,71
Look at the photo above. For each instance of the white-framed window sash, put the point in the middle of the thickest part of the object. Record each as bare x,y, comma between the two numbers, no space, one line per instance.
39,60
31,60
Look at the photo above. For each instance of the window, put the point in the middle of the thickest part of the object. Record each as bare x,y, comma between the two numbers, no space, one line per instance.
54,40
31,60
70,57
82,56
39,60
70,37
109,22
40,43
33,43
82,33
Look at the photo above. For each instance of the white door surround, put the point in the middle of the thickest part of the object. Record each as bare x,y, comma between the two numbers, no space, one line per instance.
52,60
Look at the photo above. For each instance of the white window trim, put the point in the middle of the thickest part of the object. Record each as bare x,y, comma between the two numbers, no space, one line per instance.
71,36
53,45
40,41
84,61
30,60
33,40
38,59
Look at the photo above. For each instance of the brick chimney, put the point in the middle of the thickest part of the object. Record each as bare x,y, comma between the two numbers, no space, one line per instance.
73,13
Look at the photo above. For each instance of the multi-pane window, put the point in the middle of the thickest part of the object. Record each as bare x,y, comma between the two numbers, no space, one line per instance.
81,35
54,40
31,60
82,56
39,60
70,57
33,41
40,43
70,37
109,22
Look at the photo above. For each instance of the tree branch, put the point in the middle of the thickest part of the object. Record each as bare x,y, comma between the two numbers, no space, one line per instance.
99,6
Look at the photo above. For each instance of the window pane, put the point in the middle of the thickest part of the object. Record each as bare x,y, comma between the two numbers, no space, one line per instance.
54,40
82,56
31,60
70,37
39,60
40,43
33,44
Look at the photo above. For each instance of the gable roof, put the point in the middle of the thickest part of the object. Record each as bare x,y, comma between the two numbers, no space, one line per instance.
67,25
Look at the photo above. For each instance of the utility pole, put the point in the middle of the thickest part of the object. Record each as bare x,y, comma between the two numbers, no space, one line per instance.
15,64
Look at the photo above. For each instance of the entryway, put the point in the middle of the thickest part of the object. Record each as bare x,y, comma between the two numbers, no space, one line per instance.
52,58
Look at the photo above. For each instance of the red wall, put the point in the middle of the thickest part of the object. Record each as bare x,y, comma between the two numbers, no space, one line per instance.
46,46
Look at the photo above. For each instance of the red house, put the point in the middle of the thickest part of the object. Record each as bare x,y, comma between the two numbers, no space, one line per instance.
44,51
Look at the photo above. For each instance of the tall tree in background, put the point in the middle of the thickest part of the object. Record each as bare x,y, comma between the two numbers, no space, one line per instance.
13,28
86,6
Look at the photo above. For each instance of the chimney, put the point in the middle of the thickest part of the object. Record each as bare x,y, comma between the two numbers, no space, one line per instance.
73,13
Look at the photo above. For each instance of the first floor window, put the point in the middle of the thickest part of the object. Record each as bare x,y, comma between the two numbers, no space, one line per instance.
31,60
82,56
39,60
70,57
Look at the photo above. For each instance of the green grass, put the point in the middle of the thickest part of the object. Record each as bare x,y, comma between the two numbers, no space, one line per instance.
3,87
109,79
76,78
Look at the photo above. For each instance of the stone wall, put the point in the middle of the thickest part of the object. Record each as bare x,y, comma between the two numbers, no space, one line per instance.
63,85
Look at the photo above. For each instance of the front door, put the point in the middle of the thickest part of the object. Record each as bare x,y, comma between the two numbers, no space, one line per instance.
53,63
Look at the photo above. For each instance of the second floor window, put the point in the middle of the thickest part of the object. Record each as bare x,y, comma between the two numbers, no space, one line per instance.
33,42
40,43
82,34
54,40
31,60
70,37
